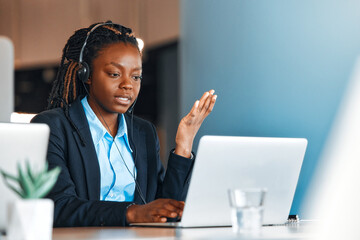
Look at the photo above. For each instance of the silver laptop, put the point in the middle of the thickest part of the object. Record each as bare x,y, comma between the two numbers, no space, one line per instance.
19,142
7,79
241,162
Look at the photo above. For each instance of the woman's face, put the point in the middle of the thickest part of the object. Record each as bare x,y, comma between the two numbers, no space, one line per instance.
115,80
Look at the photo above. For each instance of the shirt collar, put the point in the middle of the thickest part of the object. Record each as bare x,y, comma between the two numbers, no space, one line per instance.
97,129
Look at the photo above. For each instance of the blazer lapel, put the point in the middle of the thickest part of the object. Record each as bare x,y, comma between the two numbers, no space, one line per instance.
88,153
137,140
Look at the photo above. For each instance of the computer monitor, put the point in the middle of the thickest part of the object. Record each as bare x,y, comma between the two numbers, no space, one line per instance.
6,79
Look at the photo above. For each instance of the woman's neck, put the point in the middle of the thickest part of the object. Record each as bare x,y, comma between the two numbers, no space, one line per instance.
108,120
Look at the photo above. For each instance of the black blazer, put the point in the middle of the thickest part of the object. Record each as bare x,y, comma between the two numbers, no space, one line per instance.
77,192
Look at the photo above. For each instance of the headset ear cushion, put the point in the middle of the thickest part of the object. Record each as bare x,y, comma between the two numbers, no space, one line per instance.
83,72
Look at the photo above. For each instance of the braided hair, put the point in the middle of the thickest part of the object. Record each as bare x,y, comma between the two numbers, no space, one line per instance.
67,86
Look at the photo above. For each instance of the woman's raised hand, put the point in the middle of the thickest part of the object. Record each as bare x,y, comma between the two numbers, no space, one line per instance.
191,123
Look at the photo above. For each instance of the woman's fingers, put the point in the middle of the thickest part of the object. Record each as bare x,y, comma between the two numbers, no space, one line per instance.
194,109
161,209
158,218
205,105
203,100
174,205
166,213
208,101
210,105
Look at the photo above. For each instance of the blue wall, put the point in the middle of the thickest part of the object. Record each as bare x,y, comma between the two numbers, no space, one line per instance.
279,67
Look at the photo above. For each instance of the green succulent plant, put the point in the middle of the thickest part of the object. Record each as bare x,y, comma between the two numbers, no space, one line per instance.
31,184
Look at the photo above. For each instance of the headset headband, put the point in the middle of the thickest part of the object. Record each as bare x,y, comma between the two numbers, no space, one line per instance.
87,36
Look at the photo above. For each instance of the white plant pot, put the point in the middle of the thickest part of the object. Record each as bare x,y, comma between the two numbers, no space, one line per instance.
30,219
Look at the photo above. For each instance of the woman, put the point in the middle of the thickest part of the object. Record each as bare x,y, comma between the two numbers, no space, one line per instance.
111,171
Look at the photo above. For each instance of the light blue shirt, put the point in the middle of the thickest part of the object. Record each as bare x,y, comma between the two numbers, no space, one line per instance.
116,182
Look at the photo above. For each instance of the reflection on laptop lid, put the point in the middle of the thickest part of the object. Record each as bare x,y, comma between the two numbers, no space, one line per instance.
20,142
241,162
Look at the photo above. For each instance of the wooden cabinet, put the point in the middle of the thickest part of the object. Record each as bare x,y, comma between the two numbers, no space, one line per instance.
40,28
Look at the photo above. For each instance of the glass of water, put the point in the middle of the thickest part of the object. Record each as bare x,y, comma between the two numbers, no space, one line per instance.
247,207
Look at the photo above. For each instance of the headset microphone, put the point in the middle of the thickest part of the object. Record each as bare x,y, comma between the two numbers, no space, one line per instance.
131,108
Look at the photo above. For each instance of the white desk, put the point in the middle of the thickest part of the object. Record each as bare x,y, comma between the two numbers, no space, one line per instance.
294,231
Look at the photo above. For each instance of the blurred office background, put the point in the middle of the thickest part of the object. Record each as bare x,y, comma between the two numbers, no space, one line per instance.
39,30
280,67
